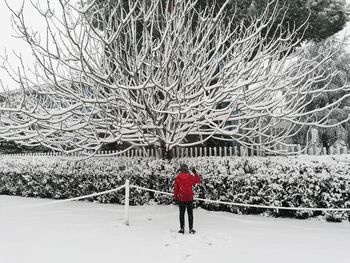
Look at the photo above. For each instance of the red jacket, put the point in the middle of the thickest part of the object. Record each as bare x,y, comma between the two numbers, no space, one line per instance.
183,186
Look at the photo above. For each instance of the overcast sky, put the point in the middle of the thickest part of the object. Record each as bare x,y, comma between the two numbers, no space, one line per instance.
8,42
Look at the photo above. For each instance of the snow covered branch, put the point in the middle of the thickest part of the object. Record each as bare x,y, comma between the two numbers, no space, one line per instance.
160,73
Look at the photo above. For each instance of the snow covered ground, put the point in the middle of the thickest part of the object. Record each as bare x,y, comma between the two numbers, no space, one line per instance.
83,232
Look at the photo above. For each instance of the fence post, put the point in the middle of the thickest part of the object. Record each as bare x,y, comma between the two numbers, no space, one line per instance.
311,151
126,205
241,151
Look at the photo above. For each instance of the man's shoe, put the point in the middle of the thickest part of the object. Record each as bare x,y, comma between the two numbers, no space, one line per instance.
181,231
192,231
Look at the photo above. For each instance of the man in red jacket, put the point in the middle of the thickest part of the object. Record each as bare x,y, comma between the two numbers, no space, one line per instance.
183,194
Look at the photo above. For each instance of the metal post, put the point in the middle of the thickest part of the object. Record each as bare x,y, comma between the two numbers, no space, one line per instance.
126,205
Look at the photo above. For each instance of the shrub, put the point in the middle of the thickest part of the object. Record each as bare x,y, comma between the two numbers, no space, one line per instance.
279,181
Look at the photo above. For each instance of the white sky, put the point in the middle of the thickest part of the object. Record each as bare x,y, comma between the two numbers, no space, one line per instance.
8,42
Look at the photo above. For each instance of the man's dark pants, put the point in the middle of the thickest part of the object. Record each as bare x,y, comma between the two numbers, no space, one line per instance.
183,206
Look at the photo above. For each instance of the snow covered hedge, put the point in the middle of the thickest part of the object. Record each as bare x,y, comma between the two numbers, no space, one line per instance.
281,181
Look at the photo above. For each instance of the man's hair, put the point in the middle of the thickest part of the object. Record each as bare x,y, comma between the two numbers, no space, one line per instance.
184,168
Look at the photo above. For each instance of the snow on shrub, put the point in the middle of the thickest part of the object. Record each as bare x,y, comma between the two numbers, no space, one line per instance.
280,181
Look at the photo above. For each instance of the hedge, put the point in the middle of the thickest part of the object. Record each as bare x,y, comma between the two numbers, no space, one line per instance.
299,181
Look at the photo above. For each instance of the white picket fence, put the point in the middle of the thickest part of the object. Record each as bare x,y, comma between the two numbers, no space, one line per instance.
190,152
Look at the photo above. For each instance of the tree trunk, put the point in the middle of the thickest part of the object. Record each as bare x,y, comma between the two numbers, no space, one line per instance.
165,152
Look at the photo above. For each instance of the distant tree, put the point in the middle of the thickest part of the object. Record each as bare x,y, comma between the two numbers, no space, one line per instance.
324,18
150,75
339,69
11,147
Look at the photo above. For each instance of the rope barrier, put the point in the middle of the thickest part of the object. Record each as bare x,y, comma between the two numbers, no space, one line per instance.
251,205
151,190
87,196
198,199
72,199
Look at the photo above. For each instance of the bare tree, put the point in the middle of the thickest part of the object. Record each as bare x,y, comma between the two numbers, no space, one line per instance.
160,73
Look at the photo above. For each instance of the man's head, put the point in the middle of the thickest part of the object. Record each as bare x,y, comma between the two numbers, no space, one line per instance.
184,168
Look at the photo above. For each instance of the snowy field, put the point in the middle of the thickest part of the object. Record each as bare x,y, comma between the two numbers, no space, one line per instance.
83,232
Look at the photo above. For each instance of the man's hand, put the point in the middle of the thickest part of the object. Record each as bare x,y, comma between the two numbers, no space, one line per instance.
193,170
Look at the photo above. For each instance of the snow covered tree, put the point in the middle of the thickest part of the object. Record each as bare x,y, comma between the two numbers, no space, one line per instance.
324,17
339,64
148,75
